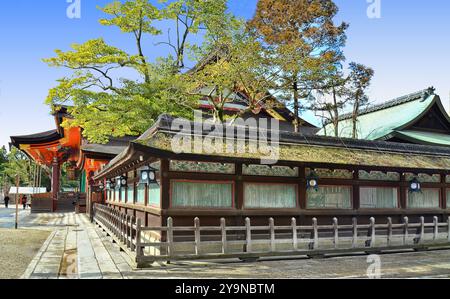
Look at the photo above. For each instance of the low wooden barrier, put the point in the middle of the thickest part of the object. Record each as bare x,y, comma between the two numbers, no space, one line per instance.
41,203
252,242
122,228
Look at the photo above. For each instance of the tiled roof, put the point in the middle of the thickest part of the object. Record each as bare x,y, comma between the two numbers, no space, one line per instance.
382,121
423,94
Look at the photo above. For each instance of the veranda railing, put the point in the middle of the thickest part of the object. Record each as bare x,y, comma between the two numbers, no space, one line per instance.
150,244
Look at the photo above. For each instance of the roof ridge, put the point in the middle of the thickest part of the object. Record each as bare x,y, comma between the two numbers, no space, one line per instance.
422,94
165,125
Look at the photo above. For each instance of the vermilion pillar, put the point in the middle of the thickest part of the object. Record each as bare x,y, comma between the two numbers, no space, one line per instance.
56,173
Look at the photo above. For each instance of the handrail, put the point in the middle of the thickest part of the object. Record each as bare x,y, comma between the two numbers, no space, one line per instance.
197,242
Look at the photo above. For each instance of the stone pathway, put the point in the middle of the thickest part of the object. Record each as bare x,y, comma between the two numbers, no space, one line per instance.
74,250
78,249
7,216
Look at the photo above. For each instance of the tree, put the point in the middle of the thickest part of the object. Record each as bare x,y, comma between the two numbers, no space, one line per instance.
332,96
305,42
233,62
332,106
3,163
359,81
3,158
18,164
104,99
191,17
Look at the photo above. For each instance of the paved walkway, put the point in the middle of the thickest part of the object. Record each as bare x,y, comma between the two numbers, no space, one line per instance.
74,250
7,216
78,249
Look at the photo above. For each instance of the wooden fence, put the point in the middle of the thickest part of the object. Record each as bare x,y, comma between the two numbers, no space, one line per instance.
149,244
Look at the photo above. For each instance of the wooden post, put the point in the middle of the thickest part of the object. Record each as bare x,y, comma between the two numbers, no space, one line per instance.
403,192
139,249
224,235
248,234
372,232
122,228
239,187
294,234
197,235
389,235
448,228
272,234
303,192
336,233
127,233
170,235
17,201
444,192
356,191
133,221
436,228
108,220
116,223
315,234
165,184
422,230
56,173
405,231
355,233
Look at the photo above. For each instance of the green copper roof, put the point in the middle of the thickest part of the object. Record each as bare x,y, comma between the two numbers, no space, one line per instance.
382,122
428,138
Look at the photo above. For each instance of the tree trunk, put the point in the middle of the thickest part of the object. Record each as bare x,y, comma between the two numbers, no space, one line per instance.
296,107
335,115
355,119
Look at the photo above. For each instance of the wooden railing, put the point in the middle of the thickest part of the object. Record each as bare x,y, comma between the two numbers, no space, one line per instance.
121,227
150,244
41,203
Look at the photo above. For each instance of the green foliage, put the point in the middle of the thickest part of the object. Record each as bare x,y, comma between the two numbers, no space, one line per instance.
112,92
132,16
233,61
189,18
359,81
17,164
3,158
104,99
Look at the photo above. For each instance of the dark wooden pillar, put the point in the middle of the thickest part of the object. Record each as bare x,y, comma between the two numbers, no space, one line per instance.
403,190
302,192
443,192
356,191
56,173
239,188
165,185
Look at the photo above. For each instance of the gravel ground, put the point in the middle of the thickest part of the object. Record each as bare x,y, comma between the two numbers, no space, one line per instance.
17,249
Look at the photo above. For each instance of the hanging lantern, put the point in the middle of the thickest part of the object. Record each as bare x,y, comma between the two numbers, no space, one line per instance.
122,181
312,181
148,175
415,186
110,185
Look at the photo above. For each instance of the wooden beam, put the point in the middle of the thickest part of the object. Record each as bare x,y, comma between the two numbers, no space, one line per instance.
165,184
356,191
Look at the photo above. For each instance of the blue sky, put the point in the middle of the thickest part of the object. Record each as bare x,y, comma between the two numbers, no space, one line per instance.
408,48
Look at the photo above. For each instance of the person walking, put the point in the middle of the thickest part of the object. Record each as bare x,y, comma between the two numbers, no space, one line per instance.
6,201
24,202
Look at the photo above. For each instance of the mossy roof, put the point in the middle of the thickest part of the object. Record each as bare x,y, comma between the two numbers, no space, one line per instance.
293,147
309,153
